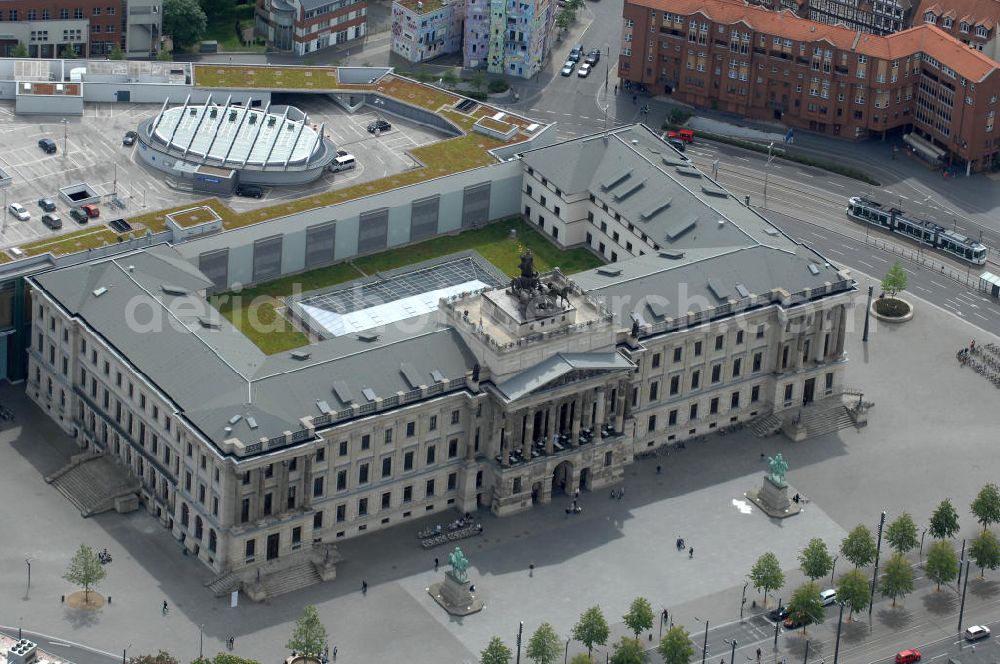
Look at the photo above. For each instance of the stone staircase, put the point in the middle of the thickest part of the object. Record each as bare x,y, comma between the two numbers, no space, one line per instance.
224,584
290,579
766,426
92,482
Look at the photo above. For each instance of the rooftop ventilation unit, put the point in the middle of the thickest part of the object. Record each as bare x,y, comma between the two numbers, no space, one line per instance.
300,355
718,290
210,323
679,228
672,255
608,271
742,290
369,394
814,269
771,230
324,407
410,374
227,429
342,391
173,290
368,336
437,376
235,418
251,422
213,113
100,291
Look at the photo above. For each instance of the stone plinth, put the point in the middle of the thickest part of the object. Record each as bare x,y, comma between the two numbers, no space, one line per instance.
454,596
773,500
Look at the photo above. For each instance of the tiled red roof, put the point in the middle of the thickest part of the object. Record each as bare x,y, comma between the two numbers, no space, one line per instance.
974,12
967,62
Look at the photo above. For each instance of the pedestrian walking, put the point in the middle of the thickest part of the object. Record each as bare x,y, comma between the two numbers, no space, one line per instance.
658,469
758,654
616,88
335,653
435,564
691,552
621,493
364,588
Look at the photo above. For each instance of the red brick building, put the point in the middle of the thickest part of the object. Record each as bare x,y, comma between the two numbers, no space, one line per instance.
824,78
972,22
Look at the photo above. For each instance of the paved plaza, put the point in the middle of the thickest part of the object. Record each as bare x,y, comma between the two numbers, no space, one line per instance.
930,436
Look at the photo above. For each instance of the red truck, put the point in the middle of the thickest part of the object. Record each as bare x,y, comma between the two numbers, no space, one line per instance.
686,135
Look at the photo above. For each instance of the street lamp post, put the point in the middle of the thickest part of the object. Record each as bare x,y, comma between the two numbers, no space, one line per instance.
868,311
201,641
732,654
520,629
125,652
840,621
922,533
961,610
21,619
607,69
805,659
663,619
566,653
743,601
704,647
878,550
777,624
833,567
27,561
767,171
65,125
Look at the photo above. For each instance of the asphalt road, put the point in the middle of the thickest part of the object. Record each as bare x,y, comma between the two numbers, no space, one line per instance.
65,649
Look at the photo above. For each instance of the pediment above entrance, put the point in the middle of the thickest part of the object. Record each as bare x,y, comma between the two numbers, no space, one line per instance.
561,369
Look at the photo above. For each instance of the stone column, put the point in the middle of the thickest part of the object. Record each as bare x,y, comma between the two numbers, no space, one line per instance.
283,487
620,410
601,405
259,498
504,447
840,320
307,472
550,428
576,414
529,434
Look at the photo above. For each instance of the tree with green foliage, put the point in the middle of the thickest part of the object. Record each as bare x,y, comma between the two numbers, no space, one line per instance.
766,574
815,560
161,657
581,658
985,552
853,590
859,546
894,281
942,563
639,616
806,606
479,80
944,521
676,647
19,51
901,533
449,78
68,53
986,506
628,651
185,21
495,652
565,18
164,55
116,53
309,636
591,629
227,658
544,645
898,578
85,569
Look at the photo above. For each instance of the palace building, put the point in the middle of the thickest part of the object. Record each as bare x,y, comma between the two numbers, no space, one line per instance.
445,384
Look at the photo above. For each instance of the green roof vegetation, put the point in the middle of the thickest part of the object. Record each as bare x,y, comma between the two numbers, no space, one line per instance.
193,216
426,6
273,334
265,76
69,243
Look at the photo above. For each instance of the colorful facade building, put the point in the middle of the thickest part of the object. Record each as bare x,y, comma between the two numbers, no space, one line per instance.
941,94
303,26
426,29
511,37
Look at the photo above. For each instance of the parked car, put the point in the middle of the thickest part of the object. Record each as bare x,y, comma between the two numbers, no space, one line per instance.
47,204
17,210
908,656
828,596
92,210
52,221
976,632
130,138
568,68
778,614
795,623
576,53
78,215
249,191
686,135
676,144
593,57
48,145
584,70
378,126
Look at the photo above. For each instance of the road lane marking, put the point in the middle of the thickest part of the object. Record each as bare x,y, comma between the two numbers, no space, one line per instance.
921,288
937,284
834,251
869,265
823,237
980,315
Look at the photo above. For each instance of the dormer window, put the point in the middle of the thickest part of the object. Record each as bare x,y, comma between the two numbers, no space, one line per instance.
947,22
963,27
930,17
982,31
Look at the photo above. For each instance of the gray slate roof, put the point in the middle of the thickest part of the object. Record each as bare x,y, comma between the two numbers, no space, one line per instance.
215,373
556,366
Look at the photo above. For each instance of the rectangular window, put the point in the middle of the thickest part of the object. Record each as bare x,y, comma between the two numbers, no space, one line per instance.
411,429
318,520
784,357
677,354
713,406
719,341
693,412
342,448
453,448
363,473
734,400
656,360
739,337
366,441
249,550
760,331
430,454
341,513
363,507
267,504
320,454
408,461
651,423
716,373
829,381
695,379
697,349
452,481
755,394
672,418
386,500
388,436
737,365
341,480
387,467
432,424
245,510
407,494
429,488
455,416
758,359
654,389
675,385
317,487
788,392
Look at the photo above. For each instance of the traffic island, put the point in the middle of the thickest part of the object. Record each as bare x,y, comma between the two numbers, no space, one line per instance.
87,601
892,310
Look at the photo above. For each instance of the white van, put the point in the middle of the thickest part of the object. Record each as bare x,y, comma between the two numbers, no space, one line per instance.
343,162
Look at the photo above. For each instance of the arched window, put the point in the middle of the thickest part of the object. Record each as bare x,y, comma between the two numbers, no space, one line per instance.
197,528
184,514
212,539
930,17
